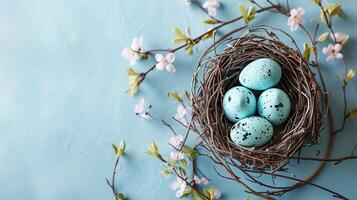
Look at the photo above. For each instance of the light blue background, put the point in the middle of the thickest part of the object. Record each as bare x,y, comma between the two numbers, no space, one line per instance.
62,102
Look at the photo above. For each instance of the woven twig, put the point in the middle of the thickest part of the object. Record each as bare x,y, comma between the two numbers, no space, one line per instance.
216,73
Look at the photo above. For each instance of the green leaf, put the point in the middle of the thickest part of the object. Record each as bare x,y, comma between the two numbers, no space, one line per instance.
192,154
210,21
196,195
307,51
209,192
352,113
166,173
243,11
115,149
209,35
134,84
131,72
186,193
251,13
183,163
179,33
189,49
315,2
179,40
175,96
323,37
121,148
153,150
350,75
335,9
121,196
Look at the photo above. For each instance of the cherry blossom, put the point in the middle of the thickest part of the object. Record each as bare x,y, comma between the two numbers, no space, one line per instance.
141,109
177,155
340,37
132,53
179,185
200,181
165,62
177,141
332,52
181,113
296,18
211,7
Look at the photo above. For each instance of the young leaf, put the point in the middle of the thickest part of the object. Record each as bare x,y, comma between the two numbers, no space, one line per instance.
352,113
115,149
175,96
192,154
153,150
251,13
184,163
243,11
350,75
307,51
131,72
210,21
179,33
323,37
166,173
121,196
186,193
196,195
121,148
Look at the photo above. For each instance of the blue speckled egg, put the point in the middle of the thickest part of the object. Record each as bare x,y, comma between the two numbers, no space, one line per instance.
252,132
274,105
260,74
238,103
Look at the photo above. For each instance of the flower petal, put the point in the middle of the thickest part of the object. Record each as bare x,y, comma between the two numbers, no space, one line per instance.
160,66
339,56
338,47
170,68
159,58
170,58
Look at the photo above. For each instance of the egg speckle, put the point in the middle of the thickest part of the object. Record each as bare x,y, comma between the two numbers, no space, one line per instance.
261,74
238,103
274,105
252,132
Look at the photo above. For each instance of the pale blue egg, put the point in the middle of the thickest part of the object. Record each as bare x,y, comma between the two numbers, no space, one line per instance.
238,103
260,74
274,105
252,132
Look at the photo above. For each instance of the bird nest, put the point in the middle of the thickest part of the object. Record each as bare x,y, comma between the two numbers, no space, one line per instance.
216,73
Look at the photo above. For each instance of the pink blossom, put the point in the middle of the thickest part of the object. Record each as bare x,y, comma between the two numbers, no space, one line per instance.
176,141
332,52
181,113
165,62
179,185
211,7
177,155
132,53
340,37
296,18
200,181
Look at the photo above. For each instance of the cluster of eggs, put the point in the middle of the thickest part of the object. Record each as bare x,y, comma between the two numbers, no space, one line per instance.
240,104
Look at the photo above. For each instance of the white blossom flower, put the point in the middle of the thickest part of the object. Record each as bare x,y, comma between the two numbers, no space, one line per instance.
200,181
332,52
179,185
177,141
132,53
211,7
141,109
296,18
181,113
217,194
174,155
165,62
340,37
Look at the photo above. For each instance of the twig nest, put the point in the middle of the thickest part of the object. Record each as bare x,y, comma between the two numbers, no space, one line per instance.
219,72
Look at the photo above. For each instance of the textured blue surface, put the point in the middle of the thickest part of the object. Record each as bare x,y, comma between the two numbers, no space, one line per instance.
62,102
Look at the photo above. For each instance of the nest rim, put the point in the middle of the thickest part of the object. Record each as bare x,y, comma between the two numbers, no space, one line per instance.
221,71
